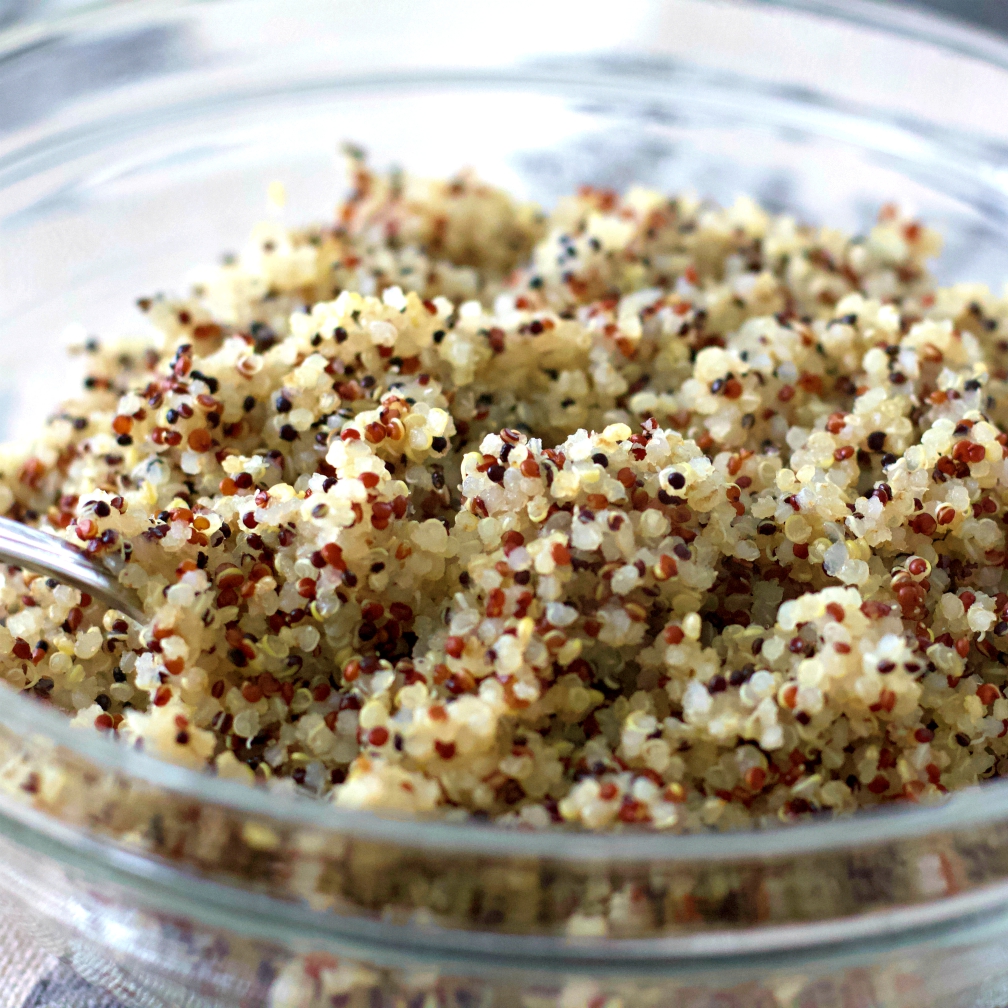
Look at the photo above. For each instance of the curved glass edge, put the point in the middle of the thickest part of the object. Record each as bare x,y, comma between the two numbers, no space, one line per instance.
962,811
249,915
649,895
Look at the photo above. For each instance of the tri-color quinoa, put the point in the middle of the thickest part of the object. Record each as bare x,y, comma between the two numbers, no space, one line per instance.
641,512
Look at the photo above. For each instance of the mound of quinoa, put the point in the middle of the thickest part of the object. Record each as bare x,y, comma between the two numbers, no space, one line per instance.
643,512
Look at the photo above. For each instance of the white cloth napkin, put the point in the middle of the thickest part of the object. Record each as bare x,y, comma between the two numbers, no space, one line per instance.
32,978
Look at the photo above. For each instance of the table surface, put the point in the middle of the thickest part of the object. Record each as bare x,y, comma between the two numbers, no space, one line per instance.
31,978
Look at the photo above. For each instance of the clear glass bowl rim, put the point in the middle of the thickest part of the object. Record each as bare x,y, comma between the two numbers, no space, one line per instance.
968,809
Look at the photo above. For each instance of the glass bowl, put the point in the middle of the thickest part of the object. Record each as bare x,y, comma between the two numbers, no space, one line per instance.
139,140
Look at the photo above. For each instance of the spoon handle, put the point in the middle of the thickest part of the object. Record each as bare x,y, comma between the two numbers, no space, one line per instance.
43,553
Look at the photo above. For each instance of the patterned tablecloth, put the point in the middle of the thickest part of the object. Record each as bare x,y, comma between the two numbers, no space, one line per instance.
30,978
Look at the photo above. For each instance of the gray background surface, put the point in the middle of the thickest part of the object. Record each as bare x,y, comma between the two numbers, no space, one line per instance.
990,14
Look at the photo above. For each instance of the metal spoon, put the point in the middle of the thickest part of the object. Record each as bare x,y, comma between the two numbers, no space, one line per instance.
43,553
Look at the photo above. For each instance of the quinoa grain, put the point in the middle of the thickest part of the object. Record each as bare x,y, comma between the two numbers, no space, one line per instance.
643,513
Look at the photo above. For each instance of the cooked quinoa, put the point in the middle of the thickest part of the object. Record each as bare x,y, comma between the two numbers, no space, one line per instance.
643,511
